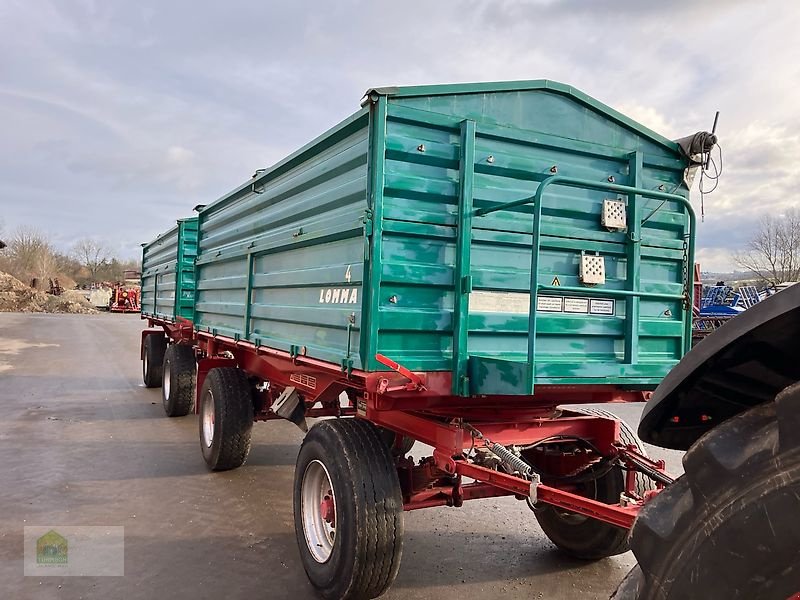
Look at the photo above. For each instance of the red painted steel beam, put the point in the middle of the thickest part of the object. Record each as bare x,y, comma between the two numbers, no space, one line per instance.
451,439
444,496
621,516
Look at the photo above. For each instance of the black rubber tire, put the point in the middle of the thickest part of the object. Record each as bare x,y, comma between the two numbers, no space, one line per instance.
390,439
627,436
178,380
369,510
155,345
583,537
227,392
727,528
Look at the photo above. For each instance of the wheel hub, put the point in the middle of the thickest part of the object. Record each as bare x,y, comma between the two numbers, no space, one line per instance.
166,381
318,511
208,419
328,509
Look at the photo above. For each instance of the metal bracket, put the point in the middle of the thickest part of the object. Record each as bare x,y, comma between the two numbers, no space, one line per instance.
416,382
535,482
592,269
614,215
290,406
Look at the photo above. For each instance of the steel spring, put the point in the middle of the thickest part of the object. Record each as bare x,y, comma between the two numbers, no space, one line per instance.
511,460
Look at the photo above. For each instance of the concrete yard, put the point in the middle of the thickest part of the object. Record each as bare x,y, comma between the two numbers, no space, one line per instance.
83,442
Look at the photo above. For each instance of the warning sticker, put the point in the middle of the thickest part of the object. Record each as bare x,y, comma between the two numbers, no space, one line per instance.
576,305
550,304
518,303
602,307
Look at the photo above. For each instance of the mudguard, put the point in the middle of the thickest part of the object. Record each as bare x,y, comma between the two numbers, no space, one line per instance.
745,362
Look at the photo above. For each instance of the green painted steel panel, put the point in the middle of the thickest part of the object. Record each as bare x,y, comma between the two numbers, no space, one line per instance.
383,235
168,272
282,257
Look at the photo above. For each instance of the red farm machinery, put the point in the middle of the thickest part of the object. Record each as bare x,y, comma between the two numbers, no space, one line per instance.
124,299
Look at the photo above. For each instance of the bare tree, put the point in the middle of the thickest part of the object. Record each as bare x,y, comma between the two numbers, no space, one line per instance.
30,254
773,253
91,254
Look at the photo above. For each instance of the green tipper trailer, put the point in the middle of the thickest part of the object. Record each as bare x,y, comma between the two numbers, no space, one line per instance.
363,242
456,265
168,279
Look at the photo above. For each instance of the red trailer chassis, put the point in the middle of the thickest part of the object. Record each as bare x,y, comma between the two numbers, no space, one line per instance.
421,407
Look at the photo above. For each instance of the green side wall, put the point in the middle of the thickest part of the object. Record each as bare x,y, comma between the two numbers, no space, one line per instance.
168,272
282,257
519,136
350,246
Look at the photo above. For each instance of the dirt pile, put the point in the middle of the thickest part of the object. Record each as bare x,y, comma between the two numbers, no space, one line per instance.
15,296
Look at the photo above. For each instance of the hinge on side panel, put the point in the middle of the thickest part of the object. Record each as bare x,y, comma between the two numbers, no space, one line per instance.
367,218
466,284
464,386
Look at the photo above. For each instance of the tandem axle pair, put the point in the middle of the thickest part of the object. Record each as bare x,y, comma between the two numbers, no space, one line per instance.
582,471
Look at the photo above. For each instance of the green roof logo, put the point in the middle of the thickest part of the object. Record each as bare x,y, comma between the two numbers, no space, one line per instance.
51,549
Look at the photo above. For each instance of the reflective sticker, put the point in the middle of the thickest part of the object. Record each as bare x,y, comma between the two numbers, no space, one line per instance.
499,302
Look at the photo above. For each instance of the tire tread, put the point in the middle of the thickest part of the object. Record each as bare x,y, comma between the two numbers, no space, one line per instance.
727,471
233,398
378,507
181,360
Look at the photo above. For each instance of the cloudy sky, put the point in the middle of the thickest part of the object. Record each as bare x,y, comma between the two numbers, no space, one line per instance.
117,117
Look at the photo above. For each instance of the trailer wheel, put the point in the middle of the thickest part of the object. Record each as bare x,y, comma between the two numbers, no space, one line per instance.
177,388
584,537
348,510
155,345
728,527
226,418
390,439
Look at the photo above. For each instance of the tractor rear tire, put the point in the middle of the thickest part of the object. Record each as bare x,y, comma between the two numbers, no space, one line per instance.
177,389
348,510
583,537
727,528
155,345
226,418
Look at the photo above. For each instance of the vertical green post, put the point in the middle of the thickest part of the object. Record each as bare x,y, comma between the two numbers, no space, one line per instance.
370,302
248,300
155,292
688,316
536,242
462,284
634,260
